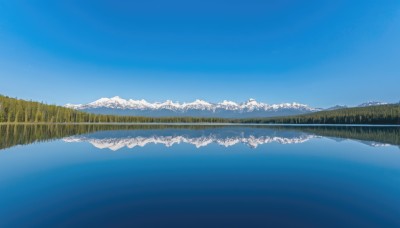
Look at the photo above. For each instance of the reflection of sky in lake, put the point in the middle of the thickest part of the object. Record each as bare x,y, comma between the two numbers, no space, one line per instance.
321,182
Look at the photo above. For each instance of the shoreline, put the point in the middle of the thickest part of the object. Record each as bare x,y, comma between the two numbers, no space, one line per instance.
211,124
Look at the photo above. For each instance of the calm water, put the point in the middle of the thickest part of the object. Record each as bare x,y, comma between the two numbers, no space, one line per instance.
194,176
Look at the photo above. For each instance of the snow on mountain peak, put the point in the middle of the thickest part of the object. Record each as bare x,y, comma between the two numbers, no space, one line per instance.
225,102
228,105
250,105
198,105
252,101
372,103
200,102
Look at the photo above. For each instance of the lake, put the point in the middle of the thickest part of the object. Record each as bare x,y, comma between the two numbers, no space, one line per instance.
199,176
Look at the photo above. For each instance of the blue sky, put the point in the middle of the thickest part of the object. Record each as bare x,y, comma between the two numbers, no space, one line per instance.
316,52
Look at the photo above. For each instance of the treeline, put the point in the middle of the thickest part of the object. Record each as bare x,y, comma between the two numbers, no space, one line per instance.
383,135
382,114
14,110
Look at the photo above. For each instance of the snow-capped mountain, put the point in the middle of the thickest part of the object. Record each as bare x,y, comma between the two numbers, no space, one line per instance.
372,103
366,104
197,108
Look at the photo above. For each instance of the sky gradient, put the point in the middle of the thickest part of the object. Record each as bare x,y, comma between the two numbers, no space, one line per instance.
320,53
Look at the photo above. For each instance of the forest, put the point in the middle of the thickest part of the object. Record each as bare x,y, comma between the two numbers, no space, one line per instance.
380,114
14,110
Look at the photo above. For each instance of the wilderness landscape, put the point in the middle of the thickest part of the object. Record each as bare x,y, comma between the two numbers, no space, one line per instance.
199,113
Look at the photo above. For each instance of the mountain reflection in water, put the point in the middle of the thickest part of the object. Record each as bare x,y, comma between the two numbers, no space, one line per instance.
115,137
127,140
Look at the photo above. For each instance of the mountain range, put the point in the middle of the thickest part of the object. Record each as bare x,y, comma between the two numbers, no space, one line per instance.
198,108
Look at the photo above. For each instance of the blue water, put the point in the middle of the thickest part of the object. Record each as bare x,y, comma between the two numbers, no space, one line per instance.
192,178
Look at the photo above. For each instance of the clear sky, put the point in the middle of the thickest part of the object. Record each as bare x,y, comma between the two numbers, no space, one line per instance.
315,52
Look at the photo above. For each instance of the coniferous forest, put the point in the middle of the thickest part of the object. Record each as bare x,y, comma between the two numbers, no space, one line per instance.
14,110
381,114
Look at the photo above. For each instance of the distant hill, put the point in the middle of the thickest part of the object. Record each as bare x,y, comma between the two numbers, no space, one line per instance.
379,114
372,103
336,107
